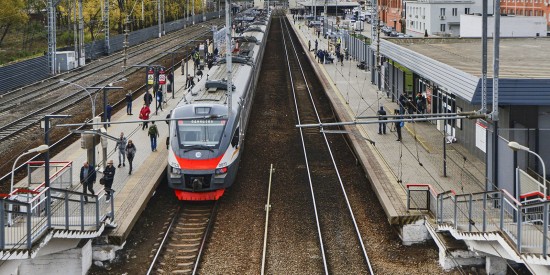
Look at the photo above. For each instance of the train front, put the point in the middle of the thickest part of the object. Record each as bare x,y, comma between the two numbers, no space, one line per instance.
201,157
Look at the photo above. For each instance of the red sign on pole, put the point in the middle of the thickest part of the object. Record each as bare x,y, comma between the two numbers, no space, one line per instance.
162,76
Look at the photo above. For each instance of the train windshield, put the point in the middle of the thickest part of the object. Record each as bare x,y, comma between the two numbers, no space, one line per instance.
206,132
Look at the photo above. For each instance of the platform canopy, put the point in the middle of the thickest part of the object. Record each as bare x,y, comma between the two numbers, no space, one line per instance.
331,4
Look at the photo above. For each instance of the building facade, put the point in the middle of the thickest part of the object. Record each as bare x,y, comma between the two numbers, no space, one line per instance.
510,26
527,8
439,17
392,14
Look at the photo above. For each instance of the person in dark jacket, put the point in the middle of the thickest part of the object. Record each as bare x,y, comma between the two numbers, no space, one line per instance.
87,179
159,97
382,124
108,113
398,126
109,176
147,99
128,103
131,153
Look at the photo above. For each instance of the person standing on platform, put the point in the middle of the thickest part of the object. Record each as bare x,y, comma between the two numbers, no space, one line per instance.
87,179
144,115
129,103
398,125
121,146
147,99
131,151
153,134
402,101
316,44
108,113
159,100
109,177
381,124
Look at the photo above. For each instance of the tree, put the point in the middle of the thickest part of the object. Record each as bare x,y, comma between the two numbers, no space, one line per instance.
12,14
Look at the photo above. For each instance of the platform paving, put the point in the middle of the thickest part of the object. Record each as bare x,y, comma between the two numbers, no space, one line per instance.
390,164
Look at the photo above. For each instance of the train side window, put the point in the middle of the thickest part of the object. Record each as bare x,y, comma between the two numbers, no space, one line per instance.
235,139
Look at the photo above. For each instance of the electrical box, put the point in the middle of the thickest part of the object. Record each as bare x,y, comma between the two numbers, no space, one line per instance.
65,61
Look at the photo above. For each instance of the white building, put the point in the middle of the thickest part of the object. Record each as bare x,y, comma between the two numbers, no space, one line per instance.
439,17
510,26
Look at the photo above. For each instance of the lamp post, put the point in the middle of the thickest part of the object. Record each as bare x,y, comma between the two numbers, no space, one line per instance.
40,149
516,146
104,88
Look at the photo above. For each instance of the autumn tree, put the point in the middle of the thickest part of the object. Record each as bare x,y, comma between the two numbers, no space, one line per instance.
12,13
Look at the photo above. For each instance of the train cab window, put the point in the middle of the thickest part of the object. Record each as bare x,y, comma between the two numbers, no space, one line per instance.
235,139
205,132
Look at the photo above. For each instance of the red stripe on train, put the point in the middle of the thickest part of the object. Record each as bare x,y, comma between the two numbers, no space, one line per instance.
198,164
199,196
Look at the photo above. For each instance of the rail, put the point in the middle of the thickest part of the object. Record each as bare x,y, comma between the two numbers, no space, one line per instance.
267,209
209,228
356,227
524,224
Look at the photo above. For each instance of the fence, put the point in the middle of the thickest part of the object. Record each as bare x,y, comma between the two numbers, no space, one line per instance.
33,70
526,225
28,214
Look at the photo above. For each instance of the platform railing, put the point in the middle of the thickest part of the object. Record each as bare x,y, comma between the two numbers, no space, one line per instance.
28,214
526,225
28,221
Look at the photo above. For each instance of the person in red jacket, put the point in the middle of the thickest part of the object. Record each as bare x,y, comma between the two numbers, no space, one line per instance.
144,115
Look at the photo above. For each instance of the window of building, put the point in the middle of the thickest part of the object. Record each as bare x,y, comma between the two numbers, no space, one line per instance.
455,11
442,27
466,10
442,11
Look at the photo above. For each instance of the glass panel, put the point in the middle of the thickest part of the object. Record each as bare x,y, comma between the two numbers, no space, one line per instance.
207,132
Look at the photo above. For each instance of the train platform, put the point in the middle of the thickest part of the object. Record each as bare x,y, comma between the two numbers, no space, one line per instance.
131,191
390,164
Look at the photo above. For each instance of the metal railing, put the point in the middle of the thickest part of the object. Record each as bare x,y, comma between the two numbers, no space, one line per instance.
525,225
28,214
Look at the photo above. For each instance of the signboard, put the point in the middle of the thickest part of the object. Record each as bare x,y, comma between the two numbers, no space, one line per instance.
162,76
150,76
481,135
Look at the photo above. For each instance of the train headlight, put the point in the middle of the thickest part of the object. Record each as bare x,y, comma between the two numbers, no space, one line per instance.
175,172
221,171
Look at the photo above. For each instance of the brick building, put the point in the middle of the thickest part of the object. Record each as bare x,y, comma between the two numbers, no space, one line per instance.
391,13
527,8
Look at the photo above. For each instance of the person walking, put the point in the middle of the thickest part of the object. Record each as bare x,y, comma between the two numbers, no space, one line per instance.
147,98
131,153
144,115
109,177
381,124
159,97
87,179
309,45
398,125
129,103
108,113
121,146
153,134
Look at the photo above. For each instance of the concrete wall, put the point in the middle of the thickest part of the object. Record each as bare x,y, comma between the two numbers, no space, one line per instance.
510,26
72,261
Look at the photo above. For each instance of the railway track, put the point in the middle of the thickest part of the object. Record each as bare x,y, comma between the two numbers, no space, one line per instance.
21,122
183,243
52,97
336,225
